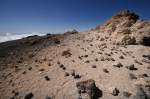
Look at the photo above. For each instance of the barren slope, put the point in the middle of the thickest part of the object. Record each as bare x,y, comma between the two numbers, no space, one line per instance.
114,55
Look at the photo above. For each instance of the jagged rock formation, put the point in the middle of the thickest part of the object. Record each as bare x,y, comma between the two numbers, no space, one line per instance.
126,28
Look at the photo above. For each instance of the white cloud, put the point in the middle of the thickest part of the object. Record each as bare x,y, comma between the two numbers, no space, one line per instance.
12,36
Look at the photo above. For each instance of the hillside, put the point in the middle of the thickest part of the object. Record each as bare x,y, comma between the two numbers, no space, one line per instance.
111,61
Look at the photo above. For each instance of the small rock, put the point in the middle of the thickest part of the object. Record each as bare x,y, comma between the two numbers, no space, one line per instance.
96,59
105,70
93,66
86,56
66,74
140,94
61,66
64,68
49,64
47,97
119,65
24,72
148,67
121,57
88,87
131,67
72,72
30,68
47,78
29,96
143,75
77,76
66,53
115,92
87,61
132,76
126,94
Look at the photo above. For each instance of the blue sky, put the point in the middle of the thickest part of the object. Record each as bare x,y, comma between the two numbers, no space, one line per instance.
60,15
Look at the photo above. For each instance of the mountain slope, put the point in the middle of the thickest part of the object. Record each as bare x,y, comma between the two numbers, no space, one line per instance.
116,55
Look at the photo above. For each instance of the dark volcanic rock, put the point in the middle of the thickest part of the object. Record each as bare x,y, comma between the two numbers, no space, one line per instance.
115,92
105,70
66,53
90,88
47,97
119,65
131,67
126,94
47,78
132,76
140,94
29,96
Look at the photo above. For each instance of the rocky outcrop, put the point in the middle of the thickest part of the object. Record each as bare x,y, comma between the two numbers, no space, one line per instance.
125,28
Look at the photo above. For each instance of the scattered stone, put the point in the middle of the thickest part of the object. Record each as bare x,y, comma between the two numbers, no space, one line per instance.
90,88
64,68
66,53
147,56
96,59
132,76
105,70
131,67
29,96
58,62
143,75
30,68
44,59
102,59
49,64
119,65
93,66
24,72
42,69
47,78
121,57
66,74
146,61
140,94
56,41
61,66
86,56
126,94
148,67
77,76
115,91
112,59
87,61
47,97
72,72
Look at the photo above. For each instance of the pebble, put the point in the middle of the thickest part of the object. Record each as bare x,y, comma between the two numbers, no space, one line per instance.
105,70
93,66
131,67
126,94
119,65
66,74
29,96
47,97
132,76
47,78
